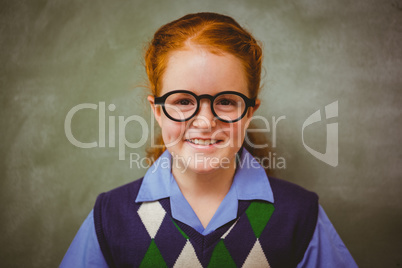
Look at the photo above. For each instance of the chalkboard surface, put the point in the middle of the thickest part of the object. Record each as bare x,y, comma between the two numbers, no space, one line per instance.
72,76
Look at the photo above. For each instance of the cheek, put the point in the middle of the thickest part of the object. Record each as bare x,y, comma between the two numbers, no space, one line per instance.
241,129
172,132
243,125
236,133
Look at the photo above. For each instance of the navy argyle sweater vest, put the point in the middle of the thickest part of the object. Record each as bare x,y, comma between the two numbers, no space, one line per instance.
263,235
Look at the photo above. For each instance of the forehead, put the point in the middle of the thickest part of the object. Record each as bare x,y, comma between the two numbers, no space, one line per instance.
203,72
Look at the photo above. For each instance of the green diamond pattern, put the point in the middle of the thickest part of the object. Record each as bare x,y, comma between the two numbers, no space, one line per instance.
153,257
258,214
221,257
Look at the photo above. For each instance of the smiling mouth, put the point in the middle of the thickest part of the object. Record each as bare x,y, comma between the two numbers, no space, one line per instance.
202,142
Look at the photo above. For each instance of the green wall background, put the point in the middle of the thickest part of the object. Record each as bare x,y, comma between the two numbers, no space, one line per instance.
58,54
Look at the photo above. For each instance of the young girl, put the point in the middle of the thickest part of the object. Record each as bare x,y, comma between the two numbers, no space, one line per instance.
206,201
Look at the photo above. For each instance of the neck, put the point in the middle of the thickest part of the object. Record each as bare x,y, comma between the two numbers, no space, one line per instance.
213,184
204,192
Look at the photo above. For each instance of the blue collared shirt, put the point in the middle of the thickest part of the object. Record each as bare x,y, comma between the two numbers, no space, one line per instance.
326,249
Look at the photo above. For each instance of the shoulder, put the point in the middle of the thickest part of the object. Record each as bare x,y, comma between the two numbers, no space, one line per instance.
285,191
120,198
294,202
296,213
114,213
124,191
295,205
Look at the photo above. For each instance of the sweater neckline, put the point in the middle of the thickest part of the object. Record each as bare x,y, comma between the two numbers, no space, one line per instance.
211,238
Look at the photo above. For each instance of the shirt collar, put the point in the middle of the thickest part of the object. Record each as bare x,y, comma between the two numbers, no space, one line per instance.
249,183
157,180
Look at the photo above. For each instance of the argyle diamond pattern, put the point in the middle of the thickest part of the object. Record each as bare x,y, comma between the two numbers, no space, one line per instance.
258,214
221,257
256,258
187,257
151,214
153,257
239,246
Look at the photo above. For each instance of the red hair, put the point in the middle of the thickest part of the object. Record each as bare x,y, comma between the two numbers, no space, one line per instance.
218,34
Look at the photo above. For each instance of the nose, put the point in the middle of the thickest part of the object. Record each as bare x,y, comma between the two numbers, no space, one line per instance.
204,118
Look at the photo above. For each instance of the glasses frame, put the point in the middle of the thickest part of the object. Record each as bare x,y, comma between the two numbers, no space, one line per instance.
161,101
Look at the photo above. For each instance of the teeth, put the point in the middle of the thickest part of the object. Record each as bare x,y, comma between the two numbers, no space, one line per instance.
202,142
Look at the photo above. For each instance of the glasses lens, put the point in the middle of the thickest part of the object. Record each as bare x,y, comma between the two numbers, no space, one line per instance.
180,106
229,106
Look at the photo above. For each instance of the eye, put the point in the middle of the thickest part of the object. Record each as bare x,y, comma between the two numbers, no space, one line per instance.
184,102
225,102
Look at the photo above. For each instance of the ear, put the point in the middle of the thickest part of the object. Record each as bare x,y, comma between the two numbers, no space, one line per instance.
252,110
155,109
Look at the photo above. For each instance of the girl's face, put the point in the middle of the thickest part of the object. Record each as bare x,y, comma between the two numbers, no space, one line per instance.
203,143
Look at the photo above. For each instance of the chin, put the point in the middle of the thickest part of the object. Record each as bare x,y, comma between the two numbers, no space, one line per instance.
202,160
200,171
204,164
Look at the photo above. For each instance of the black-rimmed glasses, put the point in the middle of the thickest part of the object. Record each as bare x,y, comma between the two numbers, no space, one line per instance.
182,105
